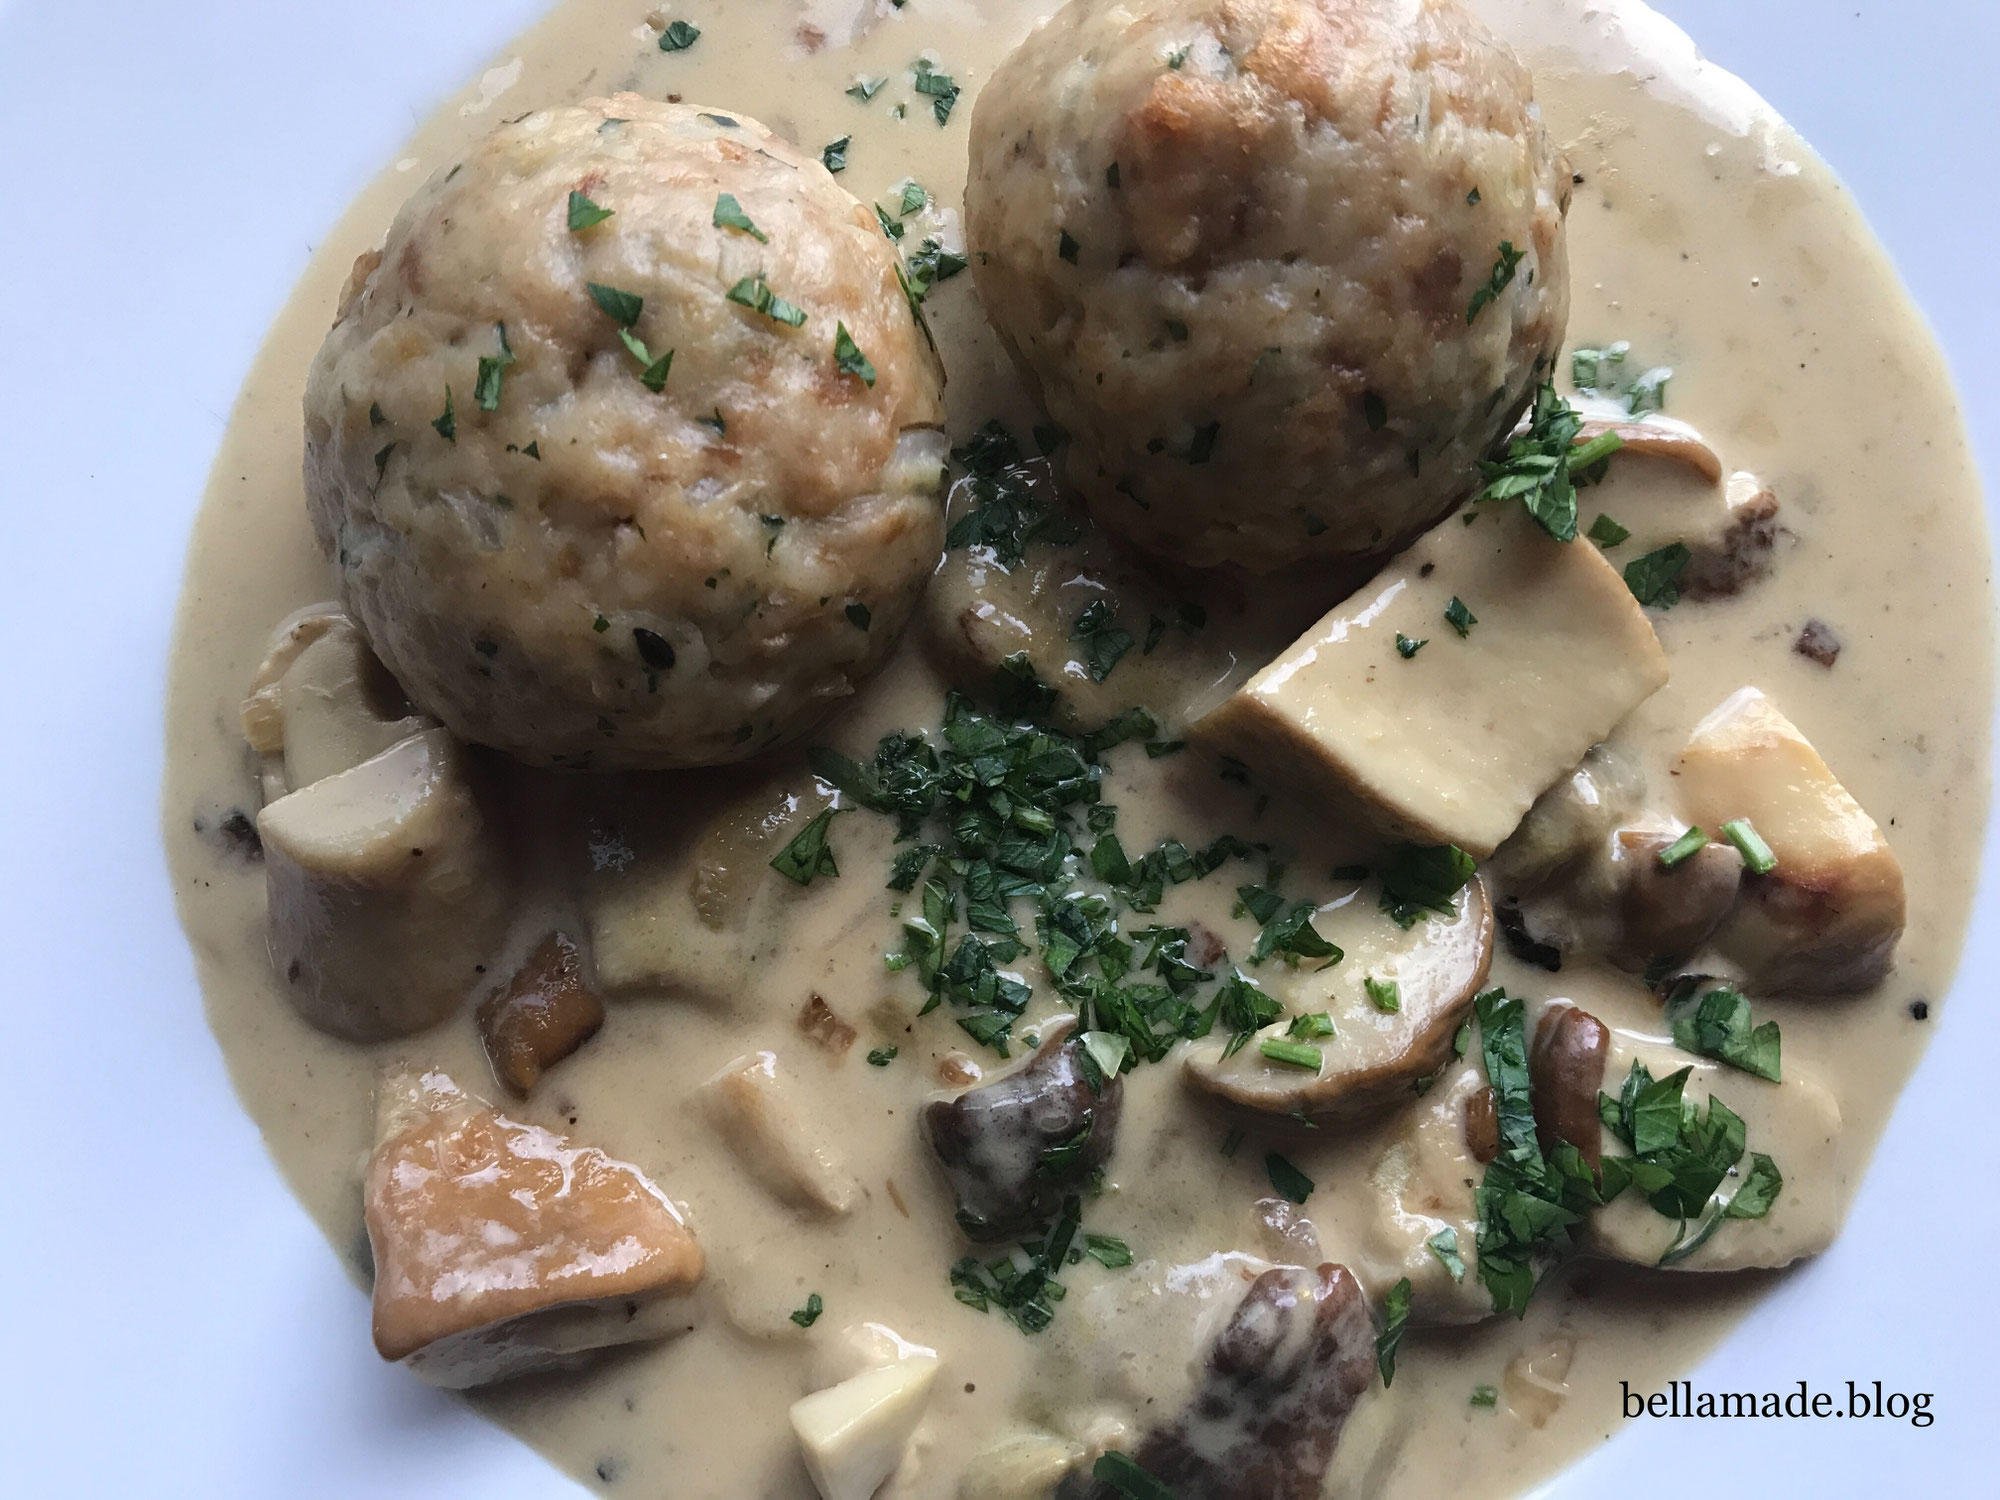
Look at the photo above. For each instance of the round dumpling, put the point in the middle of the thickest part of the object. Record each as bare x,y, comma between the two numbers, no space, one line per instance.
627,442
1283,270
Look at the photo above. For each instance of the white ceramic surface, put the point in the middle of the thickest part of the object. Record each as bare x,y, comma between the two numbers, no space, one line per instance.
174,1326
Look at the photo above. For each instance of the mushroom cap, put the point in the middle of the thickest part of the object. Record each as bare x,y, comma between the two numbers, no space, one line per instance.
572,566
1373,1056
1236,245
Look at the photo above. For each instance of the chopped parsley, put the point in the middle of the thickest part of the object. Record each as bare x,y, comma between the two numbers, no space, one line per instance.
1287,1181
1108,1251
1459,618
1103,640
652,371
1497,280
933,263
1418,878
848,358
1606,532
833,155
446,425
1025,1293
865,88
808,1315
1541,462
1685,847
1295,1054
1066,246
1444,1245
1124,1475
889,226
678,37
1395,1317
858,615
1757,856
1386,995
1286,931
1407,648
1486,1396
755,293
914,198
1655,578
942,90
729,215
1719,1025
1648,392
492,371
881,1057
1590,368
1313,1024
809,854
584,214
622,308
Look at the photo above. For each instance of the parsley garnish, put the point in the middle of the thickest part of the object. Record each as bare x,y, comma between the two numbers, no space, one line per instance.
1418,878
1108,1251
678,37
1407,648
1459,618
1718,1025
1025,1293
1541,461
1287,929
833,155
729,215
1386,995
865,89
622,308
1606,532
848,358
808,1315
583,213
942,90
1125,1476
755,293
1066,246
1102,639
914,198
1287,1181
1395,1317
881,1057
652,372
809,854
933,263
1296,1054
1485,1395
446,425
858,615
1497,280
1655,578
492,370
1444,1245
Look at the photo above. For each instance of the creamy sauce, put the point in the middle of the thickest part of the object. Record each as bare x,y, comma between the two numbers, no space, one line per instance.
1718,246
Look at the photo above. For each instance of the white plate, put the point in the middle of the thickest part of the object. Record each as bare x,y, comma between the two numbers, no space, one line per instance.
174,1324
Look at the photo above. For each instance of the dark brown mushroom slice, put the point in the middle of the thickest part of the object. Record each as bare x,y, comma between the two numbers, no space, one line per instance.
1011,1149
1669,912
1482,1126
540,1016
1565,1073
1271,1402
818,1021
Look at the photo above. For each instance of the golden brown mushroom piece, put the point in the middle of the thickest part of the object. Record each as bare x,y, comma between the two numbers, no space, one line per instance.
1565,1072
994,1141
387,891
540,1016
1668,912
1375,1054
501,1247
1826,918
1271,1401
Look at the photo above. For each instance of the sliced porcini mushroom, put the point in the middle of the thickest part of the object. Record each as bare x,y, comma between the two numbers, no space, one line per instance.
1736,548
387,890
541,1015
1659,437
755,1104
1273,1395
1565,1073
502,1248
1797,1123
321,703
1827,917
852,1435
1012,1148
818,1021
1374,1055
1422,1186
1571,820
1667,912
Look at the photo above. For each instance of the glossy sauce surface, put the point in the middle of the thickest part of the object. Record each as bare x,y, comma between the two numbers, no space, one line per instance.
1704,234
